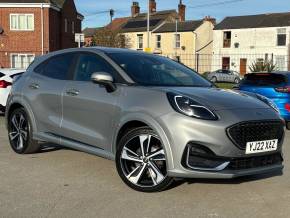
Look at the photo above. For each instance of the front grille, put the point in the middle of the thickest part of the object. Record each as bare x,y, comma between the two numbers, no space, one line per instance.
245,132
254,162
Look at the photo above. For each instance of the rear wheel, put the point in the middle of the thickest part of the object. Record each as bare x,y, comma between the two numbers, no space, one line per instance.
213,79
288,125
141,161
20,133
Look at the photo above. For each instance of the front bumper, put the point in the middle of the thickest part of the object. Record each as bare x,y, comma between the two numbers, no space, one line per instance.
182,130
226,174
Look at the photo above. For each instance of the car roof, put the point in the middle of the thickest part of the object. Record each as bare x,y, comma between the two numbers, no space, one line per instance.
115,50
98,49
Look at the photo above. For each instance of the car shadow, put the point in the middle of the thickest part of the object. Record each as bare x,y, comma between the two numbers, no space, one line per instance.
48,147
234,181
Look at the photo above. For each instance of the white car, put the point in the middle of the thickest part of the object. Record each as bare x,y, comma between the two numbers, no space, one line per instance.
6,80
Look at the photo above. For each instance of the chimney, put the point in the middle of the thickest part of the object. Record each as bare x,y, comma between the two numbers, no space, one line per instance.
152,6
210,19
135,9
181,11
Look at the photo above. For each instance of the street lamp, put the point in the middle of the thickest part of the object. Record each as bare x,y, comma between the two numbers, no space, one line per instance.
176,32
148,28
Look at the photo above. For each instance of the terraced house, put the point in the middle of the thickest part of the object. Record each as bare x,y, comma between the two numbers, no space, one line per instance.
243,40
33,27
171,35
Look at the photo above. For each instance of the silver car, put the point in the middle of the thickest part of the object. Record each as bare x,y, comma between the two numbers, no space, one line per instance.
225,76
157,119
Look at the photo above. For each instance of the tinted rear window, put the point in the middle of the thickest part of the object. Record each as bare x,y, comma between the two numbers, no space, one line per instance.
56,67
265,79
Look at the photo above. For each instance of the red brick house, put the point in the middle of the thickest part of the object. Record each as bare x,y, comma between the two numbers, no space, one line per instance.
29,28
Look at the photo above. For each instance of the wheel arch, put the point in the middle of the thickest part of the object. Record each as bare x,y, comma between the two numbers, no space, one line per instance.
140,120
20,104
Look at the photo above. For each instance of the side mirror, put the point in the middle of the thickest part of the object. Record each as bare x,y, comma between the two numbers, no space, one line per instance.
104,79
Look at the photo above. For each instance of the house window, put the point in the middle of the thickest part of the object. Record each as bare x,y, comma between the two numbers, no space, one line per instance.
177,41
21,61
65,25
22,22
281,37
158,41
140,41
73,27
227,39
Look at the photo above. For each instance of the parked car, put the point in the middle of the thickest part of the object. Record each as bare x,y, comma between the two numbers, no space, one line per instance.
275,86
227,76
6,80
156,118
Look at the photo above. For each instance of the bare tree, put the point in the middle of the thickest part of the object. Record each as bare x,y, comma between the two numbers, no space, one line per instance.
110,38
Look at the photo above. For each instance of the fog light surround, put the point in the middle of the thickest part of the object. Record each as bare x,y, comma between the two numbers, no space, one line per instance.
199,157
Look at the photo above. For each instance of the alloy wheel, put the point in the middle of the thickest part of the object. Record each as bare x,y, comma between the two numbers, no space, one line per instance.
18,131
143,161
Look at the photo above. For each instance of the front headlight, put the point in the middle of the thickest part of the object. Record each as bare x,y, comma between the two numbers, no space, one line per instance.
268,102
189,107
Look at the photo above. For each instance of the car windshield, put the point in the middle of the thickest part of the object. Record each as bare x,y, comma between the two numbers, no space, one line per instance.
153,70
264,79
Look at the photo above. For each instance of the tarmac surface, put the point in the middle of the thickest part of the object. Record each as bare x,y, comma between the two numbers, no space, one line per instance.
65,183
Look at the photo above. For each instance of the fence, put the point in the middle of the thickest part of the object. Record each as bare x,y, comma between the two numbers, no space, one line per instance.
200,62
241,63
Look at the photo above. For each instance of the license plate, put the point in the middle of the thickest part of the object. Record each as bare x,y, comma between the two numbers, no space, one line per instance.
262,146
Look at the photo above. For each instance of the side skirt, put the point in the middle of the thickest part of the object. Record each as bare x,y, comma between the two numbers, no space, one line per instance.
69,143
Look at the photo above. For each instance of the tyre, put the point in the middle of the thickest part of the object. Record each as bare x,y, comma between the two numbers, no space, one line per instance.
141,161
20,133
213,79
288,125
237,81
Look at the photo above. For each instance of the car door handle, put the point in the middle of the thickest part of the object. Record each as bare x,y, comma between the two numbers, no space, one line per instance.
72,92
34,86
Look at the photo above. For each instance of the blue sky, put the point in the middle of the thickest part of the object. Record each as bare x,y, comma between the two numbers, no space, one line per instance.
122,8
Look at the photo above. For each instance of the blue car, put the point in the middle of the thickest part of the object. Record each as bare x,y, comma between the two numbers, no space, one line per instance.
275,86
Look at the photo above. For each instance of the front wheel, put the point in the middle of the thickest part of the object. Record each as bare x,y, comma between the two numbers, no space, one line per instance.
20,133
141,161
237,81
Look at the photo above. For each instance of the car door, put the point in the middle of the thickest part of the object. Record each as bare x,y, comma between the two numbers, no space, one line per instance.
89,111
44,89
220,76
226,76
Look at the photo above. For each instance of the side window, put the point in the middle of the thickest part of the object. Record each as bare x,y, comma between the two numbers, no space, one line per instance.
57,67
91,63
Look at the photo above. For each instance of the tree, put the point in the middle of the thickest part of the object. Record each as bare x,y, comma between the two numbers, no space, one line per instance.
110,38
263,66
